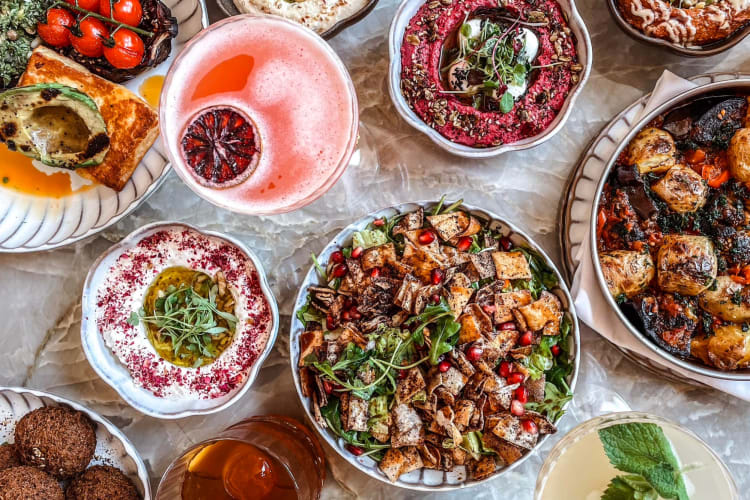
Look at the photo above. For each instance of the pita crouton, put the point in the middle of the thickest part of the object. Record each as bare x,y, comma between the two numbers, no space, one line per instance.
509,453
407,294
378,256
545,310
463,410
483,264
473,324
482,468
421,262
458,297
511,266
410,385
506,426
397,462
409,430
410,222
499,344
452,380
357,414
506,302
453,257
449,225
308,342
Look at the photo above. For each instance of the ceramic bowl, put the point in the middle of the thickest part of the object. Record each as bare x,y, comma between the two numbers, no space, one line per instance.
112,446
423,479
682,50
404,14
112,371
230,9
693,366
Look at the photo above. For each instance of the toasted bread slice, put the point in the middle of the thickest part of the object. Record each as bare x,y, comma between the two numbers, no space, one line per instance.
132,124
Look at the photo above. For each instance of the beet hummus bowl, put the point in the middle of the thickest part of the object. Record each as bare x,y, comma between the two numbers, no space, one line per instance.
670,230
434,346
481,79
177,320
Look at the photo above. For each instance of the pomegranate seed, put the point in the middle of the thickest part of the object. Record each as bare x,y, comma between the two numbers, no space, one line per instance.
464,243
357,252
505,369
529,426
522,394
437,276
329,322
378,223
435,298
444,366
346,315
337,387
327,387
527,338
339,271
348,303
375,272
555,350
516,378
426,237
354,450
474,353
516,408
402,374
337,257
506,244
354,313
489,308
508,326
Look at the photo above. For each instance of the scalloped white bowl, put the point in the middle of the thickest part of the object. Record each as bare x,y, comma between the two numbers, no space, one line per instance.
408,9
423,479
112,371
112,446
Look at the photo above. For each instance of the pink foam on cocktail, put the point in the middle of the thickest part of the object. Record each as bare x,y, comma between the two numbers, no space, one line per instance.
296,91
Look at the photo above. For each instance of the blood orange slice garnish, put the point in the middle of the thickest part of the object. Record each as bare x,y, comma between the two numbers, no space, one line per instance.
222,147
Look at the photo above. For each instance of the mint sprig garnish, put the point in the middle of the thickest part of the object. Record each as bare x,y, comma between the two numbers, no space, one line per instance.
631,487
642,449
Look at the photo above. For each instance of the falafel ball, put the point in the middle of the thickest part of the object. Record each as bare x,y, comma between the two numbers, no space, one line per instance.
8,456
24,482
56,439
102,482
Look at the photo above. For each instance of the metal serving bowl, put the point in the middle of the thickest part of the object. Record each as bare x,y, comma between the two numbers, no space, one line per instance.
107,365
230,9
694,366
695,51
404,14
423,479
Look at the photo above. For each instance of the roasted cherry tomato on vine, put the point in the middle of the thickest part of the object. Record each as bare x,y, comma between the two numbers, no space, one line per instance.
127,51
92,32
129,12
90,5
56,32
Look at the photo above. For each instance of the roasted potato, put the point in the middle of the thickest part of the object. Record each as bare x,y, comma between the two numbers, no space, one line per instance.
728,301
652,150
727,349
683,189
627,272
686,264
738,155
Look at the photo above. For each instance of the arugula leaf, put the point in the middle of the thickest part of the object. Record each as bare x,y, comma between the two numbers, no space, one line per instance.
642,448
444,338
308,313
542,277
554,400
632,487
368,238
431,313
331,413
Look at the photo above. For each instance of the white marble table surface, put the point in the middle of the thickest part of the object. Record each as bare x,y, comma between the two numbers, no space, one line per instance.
39,302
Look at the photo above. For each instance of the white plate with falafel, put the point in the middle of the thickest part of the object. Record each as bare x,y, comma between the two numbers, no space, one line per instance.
54,448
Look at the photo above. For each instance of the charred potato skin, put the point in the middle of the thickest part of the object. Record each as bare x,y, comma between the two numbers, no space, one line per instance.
728,300
686,264
738,155
727,349
627,272
652,150
683,189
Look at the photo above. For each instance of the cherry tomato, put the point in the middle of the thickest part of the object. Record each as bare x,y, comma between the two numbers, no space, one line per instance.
56,32
129,12
127,53
90,5
91,42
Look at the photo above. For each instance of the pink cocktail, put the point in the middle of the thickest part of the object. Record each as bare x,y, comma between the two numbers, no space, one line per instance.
293,90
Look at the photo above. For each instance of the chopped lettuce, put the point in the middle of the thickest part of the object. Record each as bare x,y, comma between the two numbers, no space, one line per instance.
368,238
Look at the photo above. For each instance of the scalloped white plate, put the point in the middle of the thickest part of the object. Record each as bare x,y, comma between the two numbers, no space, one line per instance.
113,372
31,223
112,446
423,479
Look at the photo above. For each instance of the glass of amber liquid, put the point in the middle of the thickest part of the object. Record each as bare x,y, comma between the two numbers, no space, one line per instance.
267,457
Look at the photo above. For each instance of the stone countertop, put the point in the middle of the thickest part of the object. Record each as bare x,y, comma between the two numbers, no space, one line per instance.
40,303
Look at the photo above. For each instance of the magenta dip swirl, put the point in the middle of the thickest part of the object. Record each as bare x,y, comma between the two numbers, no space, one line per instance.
122,291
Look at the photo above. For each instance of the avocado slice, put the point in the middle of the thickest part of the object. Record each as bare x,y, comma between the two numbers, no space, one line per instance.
55,124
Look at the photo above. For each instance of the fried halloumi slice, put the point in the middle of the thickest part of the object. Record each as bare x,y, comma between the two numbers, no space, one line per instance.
132,125
511,266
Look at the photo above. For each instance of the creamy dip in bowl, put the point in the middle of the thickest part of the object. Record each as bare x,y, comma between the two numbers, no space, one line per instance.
129,341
